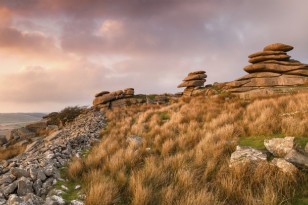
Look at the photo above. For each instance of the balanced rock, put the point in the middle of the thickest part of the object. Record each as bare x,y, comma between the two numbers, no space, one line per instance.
272,71
278,47
194,79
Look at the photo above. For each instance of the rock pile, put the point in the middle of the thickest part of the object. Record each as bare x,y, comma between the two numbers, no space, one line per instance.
194,81
27,178
287,155
271,71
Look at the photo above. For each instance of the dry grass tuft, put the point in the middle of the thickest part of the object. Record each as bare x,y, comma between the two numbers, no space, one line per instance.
11,152
185,153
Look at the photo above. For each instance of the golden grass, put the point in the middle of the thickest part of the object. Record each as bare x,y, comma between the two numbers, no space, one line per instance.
11,152
185,153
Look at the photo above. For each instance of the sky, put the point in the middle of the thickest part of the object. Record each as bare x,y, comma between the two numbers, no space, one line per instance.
59,53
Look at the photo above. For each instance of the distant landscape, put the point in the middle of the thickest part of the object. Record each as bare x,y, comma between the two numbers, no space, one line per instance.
10,121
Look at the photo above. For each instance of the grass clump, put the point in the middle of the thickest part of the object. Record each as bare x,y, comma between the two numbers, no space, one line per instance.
12,151
185,159
65,116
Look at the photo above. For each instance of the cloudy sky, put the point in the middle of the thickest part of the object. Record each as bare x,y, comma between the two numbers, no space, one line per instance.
57,53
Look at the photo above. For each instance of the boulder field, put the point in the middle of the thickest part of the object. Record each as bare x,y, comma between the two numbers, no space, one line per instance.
271,71
28,178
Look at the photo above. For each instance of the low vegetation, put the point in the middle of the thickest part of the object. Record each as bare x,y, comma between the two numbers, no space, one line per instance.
11,152
66,115
186,147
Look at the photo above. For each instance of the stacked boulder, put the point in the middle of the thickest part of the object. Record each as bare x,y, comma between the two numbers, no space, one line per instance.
194,81
107,100
271,71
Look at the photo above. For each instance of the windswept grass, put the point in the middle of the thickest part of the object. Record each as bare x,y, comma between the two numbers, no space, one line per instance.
11,152
185,153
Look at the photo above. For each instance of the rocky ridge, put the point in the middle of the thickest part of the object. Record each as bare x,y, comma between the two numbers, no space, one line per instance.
271,71
27,178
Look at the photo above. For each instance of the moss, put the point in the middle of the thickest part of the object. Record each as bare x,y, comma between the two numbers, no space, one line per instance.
163,116
71,193
301,141
257,141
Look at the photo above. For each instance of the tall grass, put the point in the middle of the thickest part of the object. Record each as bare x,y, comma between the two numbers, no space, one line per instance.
185,153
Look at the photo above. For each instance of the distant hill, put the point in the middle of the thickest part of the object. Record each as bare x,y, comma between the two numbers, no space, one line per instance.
6,118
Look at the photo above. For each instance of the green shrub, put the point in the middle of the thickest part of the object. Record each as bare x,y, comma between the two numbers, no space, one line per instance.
66,115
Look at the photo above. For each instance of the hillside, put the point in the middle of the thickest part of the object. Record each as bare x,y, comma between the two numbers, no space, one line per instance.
180,153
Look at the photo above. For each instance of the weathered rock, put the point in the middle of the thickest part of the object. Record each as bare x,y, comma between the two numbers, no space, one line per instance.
195,77
276,68
301,72
9,189
278,47
129,91
282,80
285,166
101,93
104,99
6,179
194,83
196,72
258,75
246,155
280,147
76,202
15,200
31,199
41,175
298,159
266,53
269,57
54,200
17,172
37,186
24,186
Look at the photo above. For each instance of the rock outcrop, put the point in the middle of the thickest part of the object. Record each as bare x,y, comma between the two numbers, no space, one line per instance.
271,71
289,157
194,81
29,176
121,98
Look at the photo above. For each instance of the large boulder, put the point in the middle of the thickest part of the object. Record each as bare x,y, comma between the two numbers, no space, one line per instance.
104,99
278,47
246,155
280,147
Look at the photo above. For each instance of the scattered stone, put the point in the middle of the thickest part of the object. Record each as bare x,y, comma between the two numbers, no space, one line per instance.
24,186
76,202
9,189
14,200
54,200
17,172
280,147
134,141
77,187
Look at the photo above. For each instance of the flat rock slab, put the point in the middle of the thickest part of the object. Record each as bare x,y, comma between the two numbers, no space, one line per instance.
246,155
278,47
280,147
266,53
193,83
269,57
259,75
275,68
